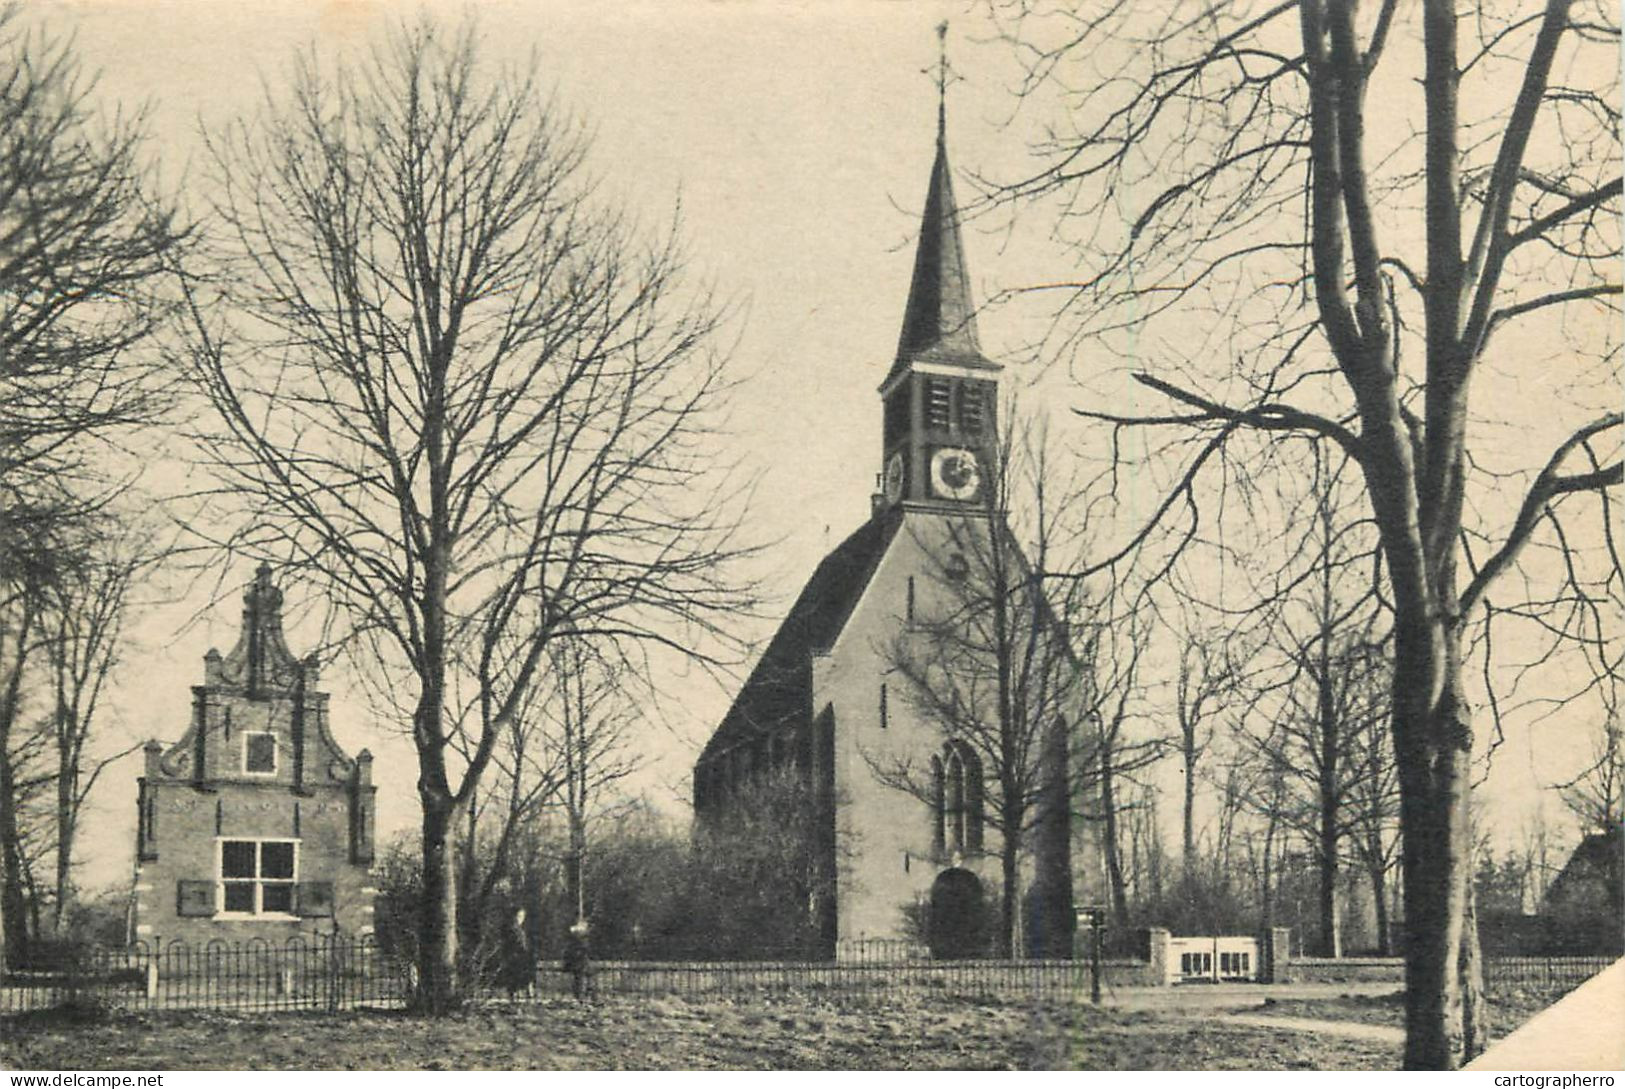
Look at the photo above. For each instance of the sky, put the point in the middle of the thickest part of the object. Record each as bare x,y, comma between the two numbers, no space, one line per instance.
797,139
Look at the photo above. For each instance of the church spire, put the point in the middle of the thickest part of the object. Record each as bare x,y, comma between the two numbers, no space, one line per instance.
939,322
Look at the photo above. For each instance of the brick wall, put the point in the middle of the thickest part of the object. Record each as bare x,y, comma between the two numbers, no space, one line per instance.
186,827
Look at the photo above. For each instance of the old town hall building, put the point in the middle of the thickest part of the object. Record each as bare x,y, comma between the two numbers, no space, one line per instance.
255,824
902,825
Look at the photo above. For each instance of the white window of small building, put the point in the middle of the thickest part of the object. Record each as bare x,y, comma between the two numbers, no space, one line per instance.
259,753
257,876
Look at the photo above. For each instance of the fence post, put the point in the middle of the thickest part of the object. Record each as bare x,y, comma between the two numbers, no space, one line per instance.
333,966
152,976
1277,953
1157,939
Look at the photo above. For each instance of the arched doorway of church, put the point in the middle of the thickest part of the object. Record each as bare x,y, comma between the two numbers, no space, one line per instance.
958,915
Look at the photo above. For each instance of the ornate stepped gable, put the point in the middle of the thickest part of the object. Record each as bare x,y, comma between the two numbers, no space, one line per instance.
260,669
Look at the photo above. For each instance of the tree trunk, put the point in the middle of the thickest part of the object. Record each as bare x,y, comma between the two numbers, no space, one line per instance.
1330,765
1331,944
1379,897
1434,742
1268,891
1475,1027
437,937
575,865
1009,895
470,904
1111,850
67,787
13,905
1188,827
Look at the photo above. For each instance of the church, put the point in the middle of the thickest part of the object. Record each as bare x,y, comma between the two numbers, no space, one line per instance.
914,792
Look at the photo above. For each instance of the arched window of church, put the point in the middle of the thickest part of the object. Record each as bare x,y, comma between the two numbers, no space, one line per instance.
965,801
974,807
938,837
956,801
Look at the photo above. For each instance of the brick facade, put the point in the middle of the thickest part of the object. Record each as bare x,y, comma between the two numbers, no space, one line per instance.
255,824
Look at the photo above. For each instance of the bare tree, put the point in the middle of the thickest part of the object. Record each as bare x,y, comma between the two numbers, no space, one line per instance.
1318,720
1597,795
1355,210
1116,648
590,743
83,244
23,756
565,749
474,407
61,614
83,240
85,640
1373,819
1205,678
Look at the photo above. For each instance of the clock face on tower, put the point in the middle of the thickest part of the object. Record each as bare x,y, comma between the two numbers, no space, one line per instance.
954,474
894,478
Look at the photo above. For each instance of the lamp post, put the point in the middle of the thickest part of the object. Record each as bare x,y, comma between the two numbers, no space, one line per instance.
1094,918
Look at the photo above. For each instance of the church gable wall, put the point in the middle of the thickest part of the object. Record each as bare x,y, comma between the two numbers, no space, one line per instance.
886,853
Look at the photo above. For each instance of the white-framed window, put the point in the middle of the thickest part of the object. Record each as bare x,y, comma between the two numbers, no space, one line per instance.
259,753
256,877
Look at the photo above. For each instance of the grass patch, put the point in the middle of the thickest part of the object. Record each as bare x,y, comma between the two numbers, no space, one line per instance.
791,1033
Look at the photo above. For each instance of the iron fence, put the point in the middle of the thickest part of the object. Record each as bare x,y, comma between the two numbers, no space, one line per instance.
300,973
1543,972
334,973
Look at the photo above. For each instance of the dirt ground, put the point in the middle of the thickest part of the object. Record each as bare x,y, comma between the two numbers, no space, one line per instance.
1509,1006
785,1033
1236,1028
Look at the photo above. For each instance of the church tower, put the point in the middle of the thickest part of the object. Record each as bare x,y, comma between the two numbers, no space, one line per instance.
890,805
940,398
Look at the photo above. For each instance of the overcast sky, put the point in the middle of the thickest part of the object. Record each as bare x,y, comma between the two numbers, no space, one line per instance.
799,138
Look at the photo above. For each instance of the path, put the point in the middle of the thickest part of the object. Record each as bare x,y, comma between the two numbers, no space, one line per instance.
1236,997
1354,1030
1245,1003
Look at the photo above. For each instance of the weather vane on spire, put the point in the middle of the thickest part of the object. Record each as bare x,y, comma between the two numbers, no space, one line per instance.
942,75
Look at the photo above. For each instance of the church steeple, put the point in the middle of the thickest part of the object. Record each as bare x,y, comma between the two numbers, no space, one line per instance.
939,322
941,394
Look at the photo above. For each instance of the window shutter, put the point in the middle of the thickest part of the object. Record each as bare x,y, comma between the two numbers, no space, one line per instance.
194,899
314,899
